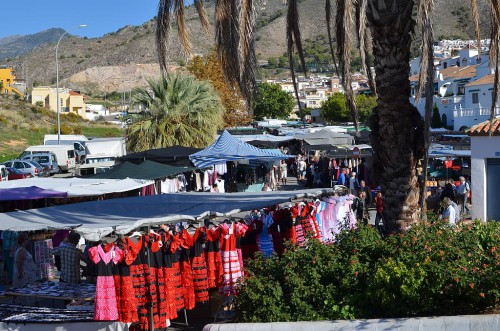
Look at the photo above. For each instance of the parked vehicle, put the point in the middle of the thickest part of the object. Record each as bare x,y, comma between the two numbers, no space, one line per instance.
65,154
37,165
15,174
77,140
47,160
22,166
4,173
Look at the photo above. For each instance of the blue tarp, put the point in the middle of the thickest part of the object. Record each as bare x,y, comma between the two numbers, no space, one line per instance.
228,148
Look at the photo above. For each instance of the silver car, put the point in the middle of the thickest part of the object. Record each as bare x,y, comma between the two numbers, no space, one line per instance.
23,166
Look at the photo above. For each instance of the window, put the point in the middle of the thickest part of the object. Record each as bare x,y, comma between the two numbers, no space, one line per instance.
71,154
475,98
461,89
445,65
18,165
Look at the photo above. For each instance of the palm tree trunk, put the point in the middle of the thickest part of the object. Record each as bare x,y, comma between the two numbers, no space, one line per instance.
397,127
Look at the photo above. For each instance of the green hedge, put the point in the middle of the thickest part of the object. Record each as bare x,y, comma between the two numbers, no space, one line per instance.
433,269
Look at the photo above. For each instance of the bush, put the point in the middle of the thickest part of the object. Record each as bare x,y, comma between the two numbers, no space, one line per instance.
433,269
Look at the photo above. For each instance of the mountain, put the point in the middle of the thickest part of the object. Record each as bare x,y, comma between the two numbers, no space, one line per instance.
115,61
17,45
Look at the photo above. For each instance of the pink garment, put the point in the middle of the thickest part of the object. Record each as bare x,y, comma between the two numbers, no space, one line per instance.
105,295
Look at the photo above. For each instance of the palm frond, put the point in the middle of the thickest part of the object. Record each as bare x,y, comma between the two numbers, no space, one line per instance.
427,58
227,38
475,17
345,23
162,32
293,30
364,42
247,58
180,16
426,77
328,11
290,36
494,54
202,13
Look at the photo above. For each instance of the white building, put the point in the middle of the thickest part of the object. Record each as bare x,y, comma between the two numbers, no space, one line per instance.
452,93
94,111
485,180
477,103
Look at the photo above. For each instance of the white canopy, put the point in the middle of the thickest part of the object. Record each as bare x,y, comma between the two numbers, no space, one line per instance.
96,219
79,187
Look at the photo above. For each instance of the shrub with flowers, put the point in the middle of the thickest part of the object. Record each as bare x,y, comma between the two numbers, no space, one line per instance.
433,269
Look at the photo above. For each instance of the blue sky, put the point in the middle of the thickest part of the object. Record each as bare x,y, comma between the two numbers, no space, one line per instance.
101,16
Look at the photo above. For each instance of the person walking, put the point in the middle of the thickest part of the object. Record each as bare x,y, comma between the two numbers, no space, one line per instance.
360,207
302,169
283,172
368,192
342,180
379,206
462,195
354,184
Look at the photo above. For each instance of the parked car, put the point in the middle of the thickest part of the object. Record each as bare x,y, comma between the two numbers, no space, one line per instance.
47,160
16,174
38,166
22,166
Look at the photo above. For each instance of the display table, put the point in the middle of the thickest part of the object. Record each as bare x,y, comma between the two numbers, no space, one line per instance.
25,318
56,290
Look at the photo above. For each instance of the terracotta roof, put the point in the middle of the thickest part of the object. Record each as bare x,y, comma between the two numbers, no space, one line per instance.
486,80
483,129
459,72
73,93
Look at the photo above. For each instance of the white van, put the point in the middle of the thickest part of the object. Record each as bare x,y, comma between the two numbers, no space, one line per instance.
4,173
65,154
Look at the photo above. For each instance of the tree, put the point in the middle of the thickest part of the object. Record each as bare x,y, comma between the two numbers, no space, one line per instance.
272,102
334,109
436,118
386,27
208,68
366,104
272,62
180,110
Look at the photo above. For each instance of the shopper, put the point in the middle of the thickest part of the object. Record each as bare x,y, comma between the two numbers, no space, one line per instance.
24,266
57,239
462,195
379,205
448,192
283,172
70,258
354,184
361,209
302,169
342,180
368,192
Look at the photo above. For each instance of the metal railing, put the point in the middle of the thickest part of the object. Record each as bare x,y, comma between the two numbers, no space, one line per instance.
483,111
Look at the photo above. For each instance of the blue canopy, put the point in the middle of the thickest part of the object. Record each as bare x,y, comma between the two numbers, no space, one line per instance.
228,148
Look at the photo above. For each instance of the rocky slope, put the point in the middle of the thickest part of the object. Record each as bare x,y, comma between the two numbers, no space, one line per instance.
122,59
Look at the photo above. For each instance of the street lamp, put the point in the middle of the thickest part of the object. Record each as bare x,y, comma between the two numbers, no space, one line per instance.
57,83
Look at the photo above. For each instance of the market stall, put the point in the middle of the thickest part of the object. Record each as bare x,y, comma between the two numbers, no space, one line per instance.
150,277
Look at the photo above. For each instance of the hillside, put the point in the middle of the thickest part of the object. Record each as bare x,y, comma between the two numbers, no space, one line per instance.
23,125
83,60
17,45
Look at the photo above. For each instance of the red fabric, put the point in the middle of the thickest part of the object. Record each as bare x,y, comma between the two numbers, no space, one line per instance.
213,258
125,299
379,204
199,266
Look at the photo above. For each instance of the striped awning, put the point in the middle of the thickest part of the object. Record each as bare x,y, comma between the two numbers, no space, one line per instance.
228,148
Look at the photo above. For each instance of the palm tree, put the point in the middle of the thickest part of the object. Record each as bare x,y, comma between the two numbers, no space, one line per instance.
180,110
399,136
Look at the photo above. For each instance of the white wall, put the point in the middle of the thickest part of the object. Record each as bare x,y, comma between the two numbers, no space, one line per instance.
482,148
